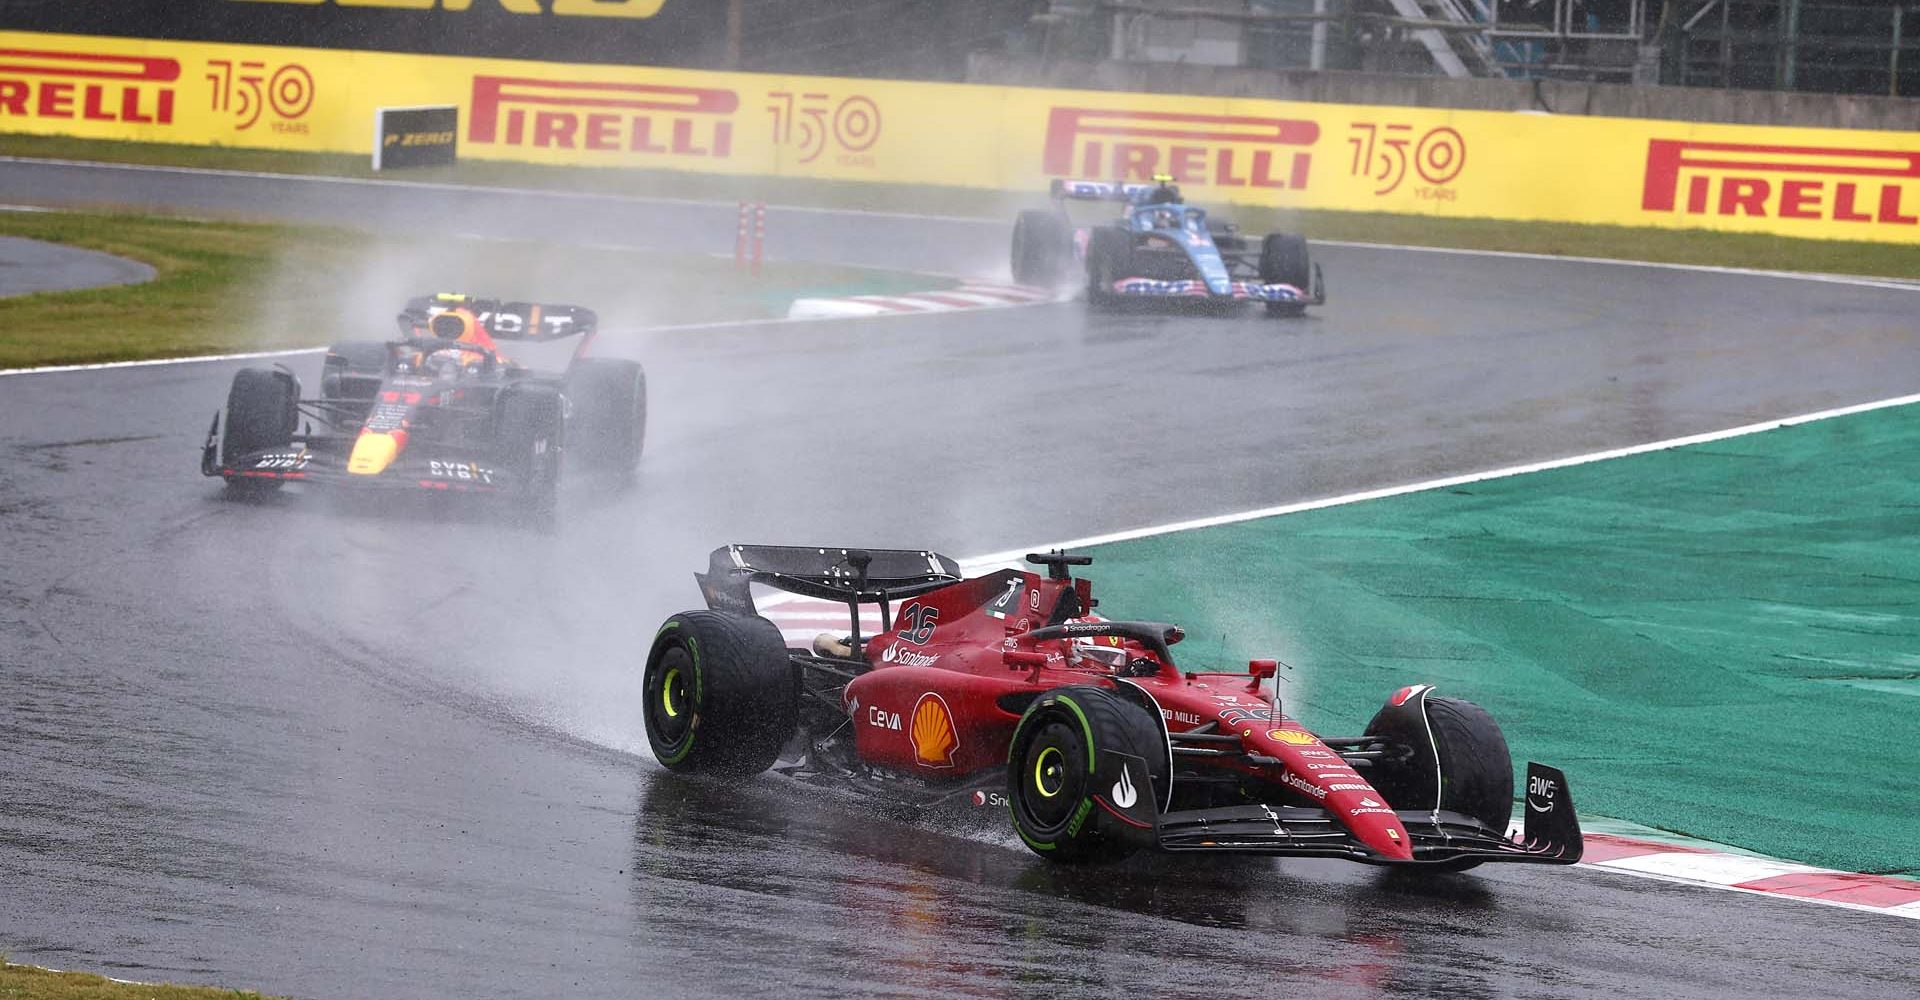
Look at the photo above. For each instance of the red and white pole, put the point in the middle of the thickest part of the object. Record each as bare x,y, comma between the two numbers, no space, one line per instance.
740,239
759,235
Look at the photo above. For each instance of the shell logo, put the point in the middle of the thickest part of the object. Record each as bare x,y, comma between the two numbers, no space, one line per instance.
934,736
1291,736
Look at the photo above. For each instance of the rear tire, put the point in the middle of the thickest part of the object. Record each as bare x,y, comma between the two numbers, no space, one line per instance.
1042,252
1476,769
721,695
1050,782
1284,260
261,415
609,424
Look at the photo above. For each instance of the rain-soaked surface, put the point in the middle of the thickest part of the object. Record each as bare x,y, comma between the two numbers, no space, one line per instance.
327,747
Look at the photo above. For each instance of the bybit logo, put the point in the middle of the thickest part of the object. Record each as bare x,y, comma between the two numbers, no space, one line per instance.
611,117
559,8
88,86
1781,182
1221,150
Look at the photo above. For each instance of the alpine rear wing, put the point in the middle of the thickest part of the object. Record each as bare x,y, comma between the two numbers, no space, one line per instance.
533,321
1099,191
847,576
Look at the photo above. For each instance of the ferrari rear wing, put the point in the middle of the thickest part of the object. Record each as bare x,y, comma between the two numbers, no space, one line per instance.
849,576
531,321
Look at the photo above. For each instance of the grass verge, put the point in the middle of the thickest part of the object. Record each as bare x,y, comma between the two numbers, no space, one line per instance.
1621,242
25,981
226,286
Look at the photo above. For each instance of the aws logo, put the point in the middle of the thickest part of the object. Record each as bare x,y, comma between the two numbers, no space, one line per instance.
558,8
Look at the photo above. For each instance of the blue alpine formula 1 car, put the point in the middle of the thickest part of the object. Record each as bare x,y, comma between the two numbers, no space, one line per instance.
1161,248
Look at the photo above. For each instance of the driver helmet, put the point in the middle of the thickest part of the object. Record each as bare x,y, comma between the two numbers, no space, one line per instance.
1100,652
454,324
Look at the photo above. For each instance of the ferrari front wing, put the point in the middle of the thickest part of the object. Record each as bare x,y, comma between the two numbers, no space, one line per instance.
1550,833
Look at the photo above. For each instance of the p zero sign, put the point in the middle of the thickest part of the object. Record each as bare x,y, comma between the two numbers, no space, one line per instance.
416,137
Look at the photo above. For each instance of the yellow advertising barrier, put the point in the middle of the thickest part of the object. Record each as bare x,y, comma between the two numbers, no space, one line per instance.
1800,182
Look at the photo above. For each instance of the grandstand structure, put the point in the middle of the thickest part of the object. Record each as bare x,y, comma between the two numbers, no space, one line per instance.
1824,46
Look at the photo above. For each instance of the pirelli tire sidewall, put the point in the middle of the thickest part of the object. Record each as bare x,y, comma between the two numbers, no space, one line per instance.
1057,790
262,413
1109,259
1475,766
1285,260
721,694
609,423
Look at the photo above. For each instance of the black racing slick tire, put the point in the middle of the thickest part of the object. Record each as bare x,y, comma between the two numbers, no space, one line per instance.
261,415
609,423
1284,260
721,694
1060,808
529,429
1109,258
1476,768
1042,253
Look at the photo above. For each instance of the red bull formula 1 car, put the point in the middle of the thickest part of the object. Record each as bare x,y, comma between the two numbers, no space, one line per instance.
1005,690
1161,248
461,402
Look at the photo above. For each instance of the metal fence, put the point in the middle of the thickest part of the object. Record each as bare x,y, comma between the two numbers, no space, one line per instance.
1845,48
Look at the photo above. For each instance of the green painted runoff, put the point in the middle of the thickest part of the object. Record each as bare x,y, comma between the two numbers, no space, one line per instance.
1721,640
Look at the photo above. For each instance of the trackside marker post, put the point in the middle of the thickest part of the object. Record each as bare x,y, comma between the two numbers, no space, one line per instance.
750,236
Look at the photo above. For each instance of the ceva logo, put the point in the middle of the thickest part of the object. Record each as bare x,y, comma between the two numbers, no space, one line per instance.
89,86
607,117
1780,182
1221,150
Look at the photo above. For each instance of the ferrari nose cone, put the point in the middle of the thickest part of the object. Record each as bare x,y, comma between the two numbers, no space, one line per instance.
372,453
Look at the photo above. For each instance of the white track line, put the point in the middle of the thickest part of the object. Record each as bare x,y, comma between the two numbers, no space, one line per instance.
1864,281
197,359
1130,534
635,199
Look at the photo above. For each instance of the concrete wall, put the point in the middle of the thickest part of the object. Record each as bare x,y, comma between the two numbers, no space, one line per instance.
1698,104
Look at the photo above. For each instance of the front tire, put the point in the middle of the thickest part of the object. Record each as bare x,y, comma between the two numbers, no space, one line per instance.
1051,766
610,414
1109,258
721,696
1284,260
530,437
1042,251
1476,768
262,414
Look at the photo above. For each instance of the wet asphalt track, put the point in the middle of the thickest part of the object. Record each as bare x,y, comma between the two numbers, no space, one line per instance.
329,749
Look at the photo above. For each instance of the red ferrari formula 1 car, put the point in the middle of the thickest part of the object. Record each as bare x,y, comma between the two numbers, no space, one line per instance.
1007,690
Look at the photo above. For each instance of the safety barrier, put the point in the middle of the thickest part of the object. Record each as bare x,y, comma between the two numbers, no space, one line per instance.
1503,165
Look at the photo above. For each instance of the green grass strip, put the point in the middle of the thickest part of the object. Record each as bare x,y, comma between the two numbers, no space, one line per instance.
229,286
29,983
